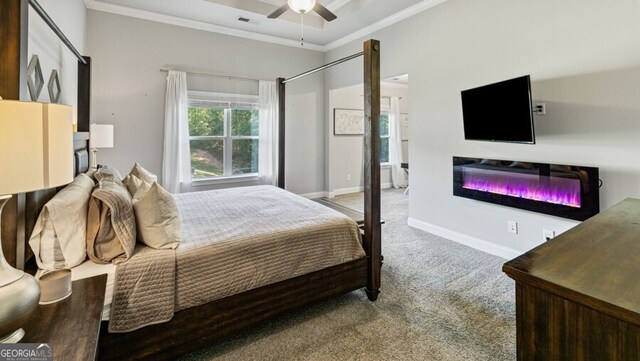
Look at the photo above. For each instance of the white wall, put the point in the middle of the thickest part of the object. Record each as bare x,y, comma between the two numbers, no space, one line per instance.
583,57
71,18
128,89
346,151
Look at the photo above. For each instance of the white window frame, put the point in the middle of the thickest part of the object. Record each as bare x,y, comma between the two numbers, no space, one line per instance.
227,138
386,111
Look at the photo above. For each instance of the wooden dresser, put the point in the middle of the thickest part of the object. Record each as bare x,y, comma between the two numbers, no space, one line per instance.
578,295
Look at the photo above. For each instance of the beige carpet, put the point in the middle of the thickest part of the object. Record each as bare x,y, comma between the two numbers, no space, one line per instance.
439,301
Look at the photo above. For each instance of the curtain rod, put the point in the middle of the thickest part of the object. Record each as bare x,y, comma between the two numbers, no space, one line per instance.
211,75
326,66
43,14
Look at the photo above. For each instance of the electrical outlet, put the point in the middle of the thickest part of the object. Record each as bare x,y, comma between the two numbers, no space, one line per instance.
541,108
548,234
348,177
512,227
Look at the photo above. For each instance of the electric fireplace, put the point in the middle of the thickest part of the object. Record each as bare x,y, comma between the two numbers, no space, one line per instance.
560,190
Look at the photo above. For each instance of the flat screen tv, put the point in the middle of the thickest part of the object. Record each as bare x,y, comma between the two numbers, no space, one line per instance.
499,112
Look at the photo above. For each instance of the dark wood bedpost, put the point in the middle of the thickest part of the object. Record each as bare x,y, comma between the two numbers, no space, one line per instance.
280,90
84,95
372,227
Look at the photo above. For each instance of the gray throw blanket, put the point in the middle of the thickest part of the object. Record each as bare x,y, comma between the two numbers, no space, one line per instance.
144,291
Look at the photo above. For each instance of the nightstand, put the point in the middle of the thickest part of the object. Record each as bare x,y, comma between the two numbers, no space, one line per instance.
71,327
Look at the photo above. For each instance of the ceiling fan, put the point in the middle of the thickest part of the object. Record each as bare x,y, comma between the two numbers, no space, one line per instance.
302,7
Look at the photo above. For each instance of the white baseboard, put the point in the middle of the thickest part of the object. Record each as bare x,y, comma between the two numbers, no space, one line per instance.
479,244
315,195
341,191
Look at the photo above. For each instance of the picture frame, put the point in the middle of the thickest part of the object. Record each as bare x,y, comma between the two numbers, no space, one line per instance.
348,121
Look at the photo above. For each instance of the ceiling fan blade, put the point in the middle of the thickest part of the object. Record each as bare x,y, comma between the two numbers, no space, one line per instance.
324,12
279,11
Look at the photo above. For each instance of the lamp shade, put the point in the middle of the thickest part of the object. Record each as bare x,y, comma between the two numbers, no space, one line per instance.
301,6
101,136
36,146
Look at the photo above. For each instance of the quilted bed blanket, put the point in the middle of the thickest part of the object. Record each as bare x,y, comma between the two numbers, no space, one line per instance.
233,240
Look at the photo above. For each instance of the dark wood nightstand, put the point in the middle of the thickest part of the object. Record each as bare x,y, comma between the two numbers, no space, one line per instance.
71,327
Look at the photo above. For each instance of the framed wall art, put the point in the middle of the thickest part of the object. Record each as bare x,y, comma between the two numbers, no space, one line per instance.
348,121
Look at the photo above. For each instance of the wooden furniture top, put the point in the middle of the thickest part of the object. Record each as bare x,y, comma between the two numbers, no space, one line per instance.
596,263
72,326
351,213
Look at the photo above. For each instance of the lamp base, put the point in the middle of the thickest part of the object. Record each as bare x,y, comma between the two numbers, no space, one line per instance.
19,295
94,158
13,337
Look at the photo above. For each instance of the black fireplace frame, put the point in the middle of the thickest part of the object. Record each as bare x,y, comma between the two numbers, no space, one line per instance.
589,190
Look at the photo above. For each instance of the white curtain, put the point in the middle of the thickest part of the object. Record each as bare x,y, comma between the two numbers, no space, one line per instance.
268,138
176,160
398,176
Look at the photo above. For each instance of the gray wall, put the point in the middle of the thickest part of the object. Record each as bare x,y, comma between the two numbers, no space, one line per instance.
345,151
71,18
583,57
129,89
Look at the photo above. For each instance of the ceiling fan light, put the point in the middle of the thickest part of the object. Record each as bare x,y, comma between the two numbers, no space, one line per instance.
301,6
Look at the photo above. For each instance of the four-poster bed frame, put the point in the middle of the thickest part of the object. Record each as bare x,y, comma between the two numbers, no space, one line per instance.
198,326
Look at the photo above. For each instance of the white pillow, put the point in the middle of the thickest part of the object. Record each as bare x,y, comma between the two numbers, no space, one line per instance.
143,174
157,217
58,238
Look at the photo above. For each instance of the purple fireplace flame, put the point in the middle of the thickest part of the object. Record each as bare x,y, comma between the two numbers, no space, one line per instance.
555,190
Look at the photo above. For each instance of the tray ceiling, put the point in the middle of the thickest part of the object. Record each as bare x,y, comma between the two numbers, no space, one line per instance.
356,18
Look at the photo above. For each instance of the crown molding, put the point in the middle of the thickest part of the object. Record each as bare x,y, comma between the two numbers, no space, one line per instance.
194,24
397,17
98,5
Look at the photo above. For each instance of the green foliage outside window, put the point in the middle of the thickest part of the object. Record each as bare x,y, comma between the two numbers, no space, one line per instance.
245,151
384,138
208,155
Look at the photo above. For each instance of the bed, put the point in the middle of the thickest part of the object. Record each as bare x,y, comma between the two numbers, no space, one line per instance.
247,255
233,240
227,313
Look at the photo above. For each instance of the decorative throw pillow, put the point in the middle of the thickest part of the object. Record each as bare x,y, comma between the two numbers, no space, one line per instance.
105,172
111,225
132,183
143,174
157,217
58,238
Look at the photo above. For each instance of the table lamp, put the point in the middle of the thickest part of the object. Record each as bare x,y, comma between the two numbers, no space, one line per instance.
36,152
100,136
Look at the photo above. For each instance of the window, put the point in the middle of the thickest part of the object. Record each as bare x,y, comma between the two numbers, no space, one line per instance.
384,137
223,135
